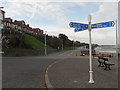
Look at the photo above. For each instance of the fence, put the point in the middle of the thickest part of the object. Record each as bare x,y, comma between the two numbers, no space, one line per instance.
26,52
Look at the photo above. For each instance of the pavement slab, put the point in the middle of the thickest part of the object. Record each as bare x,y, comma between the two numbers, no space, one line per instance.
73,72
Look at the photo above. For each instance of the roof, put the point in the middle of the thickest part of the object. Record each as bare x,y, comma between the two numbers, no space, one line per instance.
2,11
7,19
36,29
20,23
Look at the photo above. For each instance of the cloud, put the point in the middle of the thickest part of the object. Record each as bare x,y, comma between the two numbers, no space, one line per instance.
60,0
107,11
53,11
56,12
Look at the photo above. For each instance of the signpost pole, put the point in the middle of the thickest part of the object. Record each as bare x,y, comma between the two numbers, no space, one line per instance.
90,51
116,42
81,27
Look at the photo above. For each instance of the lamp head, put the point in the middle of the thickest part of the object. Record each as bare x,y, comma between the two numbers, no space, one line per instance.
1,7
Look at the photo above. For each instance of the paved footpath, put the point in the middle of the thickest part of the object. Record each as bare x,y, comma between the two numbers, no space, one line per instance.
73,72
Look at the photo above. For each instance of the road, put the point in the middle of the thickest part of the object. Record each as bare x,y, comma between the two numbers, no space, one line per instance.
27,72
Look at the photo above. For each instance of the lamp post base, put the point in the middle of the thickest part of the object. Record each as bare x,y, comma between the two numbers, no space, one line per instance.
91,81
91,77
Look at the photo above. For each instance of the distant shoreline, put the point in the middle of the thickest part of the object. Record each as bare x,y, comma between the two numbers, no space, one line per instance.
107,51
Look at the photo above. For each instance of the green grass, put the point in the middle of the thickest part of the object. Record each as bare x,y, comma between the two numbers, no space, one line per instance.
35,43
68,48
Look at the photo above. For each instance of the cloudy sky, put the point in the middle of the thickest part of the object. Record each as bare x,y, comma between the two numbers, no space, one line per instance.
54,17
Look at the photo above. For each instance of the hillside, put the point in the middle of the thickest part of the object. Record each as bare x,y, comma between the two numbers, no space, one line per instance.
34,43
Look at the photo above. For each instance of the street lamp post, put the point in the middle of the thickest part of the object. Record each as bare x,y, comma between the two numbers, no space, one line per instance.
1,26
45,43
90,51
62,44
73,44
1,19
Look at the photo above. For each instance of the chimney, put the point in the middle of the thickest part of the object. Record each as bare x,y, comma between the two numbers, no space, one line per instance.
15,21
27,25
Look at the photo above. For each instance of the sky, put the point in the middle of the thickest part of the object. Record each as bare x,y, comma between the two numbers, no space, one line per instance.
54,17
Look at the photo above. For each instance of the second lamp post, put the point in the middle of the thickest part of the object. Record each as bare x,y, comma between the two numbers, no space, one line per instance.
45,43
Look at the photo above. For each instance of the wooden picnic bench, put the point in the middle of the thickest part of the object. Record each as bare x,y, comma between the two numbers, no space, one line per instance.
103,62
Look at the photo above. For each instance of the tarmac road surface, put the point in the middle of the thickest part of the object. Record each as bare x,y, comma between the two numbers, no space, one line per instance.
27,72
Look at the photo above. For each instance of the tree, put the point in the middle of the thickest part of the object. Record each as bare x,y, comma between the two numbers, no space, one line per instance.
69,43
55,42
63,38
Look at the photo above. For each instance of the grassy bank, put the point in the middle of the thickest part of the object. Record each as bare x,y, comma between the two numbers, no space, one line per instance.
68,48
34,47
35,43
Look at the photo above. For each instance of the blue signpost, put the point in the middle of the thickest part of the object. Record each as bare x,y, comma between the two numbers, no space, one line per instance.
103,25
82,27
78,25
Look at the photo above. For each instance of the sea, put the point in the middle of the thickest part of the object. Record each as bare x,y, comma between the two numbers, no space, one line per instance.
106,49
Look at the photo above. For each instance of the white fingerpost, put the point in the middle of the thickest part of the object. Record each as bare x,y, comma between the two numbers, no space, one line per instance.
116,41
45,43
90,51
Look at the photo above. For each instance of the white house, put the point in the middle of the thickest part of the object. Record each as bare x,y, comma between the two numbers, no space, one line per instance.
2,15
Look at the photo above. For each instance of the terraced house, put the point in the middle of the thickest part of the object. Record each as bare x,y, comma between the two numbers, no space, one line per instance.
29,29
37,31
19,26
2,15
8,22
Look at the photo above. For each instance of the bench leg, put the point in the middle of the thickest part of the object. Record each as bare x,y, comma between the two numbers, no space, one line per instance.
105,67
109,67
102,64
99,65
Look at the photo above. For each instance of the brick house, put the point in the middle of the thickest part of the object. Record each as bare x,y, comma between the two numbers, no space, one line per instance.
20,25
2,16
29,29
37,31
8,22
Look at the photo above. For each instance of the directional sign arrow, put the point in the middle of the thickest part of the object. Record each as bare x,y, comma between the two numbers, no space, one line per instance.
79,29
78,25
103,24
82,27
